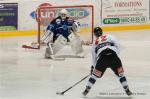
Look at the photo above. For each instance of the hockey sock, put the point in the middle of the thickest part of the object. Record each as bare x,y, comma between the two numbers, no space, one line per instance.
123,82
91,81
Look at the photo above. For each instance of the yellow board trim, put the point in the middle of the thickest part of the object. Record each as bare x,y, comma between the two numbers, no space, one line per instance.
18,33
124,28
83,30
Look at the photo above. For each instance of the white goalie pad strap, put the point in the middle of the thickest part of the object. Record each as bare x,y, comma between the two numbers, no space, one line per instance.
71,37
47,37
59,44
76,44
51,48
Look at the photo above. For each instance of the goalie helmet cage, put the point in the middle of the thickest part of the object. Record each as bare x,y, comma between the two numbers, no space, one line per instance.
81,13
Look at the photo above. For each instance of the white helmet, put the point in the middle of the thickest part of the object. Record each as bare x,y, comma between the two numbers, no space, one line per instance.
64,11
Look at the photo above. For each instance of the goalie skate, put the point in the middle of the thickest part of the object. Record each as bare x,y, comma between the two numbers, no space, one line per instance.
49,54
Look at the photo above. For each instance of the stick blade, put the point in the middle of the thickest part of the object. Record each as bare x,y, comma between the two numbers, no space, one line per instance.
59,93
29,47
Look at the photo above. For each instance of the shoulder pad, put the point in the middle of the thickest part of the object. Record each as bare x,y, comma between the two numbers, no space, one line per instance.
54,20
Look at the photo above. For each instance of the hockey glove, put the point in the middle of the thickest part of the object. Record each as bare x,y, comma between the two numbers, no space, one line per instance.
92,68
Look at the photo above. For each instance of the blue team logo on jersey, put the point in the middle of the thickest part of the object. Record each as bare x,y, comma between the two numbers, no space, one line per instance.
64,27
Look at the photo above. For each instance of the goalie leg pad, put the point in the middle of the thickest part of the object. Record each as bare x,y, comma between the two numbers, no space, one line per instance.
47,37
49,51
59,43
76,45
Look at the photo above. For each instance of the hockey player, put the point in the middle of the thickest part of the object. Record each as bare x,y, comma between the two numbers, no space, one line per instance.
60,31
105,52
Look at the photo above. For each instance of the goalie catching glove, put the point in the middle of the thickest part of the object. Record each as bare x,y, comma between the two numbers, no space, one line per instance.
92,68
76,27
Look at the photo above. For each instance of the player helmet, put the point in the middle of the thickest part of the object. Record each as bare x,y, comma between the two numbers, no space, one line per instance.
98,31
64,13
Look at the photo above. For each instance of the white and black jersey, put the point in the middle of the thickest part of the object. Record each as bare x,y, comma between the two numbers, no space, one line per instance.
105,52
102,43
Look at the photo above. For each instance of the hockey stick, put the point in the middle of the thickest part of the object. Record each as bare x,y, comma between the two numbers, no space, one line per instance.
62,93
29,47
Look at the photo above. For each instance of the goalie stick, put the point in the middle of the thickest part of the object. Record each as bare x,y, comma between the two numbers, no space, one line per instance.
62,93
30,47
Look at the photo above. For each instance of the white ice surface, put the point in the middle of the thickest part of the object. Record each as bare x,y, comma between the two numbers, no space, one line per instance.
25,74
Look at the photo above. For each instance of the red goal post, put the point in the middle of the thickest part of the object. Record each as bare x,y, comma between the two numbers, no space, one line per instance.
84,14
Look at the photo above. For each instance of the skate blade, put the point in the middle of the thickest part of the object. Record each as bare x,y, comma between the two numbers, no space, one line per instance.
58,58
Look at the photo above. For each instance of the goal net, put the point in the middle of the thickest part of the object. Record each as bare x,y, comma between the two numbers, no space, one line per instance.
81,13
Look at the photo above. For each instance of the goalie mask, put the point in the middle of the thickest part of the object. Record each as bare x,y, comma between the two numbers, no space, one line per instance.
98,31
64,13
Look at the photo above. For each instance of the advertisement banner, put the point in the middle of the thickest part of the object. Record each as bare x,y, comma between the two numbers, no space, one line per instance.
8,16
125,12
149,11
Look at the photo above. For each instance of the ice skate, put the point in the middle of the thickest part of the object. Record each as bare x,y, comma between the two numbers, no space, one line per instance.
86,91
81,55
128,92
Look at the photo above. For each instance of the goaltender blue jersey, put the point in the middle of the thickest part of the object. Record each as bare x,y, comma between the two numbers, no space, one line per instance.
60,27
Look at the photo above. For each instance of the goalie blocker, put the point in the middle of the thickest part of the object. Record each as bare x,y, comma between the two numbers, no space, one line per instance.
48,36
